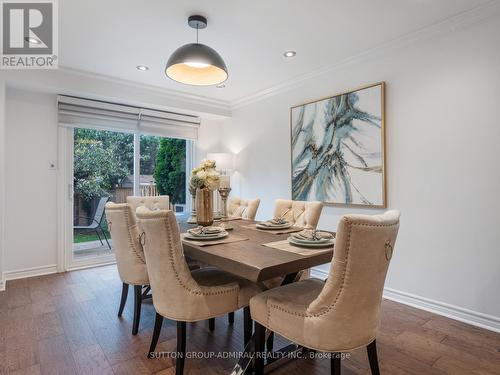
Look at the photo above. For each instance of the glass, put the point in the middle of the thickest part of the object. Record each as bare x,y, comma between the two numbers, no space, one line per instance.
163,169
103,170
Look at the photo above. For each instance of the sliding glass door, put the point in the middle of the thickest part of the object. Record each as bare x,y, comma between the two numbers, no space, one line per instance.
163,169
108,166
103,170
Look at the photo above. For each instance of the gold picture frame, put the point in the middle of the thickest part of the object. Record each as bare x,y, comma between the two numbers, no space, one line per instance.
331,155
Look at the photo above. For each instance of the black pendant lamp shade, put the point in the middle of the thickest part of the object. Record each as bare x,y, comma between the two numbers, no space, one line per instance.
195,63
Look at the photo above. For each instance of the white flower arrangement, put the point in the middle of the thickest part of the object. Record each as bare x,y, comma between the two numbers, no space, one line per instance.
204,176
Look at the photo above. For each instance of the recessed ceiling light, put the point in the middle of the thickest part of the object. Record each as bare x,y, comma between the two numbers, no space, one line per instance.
221,86
32,40
142,68
289,54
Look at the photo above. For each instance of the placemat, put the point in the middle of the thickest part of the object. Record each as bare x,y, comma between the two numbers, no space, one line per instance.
231,218
229,239
278,231
287,246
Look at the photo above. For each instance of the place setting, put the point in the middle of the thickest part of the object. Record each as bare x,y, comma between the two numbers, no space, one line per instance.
305,241
277,225
312,238
210,235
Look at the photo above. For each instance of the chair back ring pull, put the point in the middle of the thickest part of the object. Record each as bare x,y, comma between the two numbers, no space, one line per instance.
388,250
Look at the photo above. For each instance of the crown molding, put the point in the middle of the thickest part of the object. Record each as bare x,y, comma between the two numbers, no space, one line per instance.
451,24
174,94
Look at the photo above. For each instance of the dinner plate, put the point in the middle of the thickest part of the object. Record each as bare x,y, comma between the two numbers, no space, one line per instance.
306,241
330,243
214,234
220,235
274,226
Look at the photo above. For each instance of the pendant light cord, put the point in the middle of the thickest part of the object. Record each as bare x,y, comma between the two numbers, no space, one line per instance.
197,28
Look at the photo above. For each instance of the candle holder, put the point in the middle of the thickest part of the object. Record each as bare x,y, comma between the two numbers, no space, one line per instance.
224,193
192,218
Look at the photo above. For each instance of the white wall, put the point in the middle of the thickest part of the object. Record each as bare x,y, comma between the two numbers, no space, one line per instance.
209,139
443,129
31,188
2,176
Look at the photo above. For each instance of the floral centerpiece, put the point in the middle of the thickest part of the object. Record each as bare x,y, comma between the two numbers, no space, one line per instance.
204,176
204,180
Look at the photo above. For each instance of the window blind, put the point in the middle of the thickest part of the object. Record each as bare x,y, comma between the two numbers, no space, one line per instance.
85,113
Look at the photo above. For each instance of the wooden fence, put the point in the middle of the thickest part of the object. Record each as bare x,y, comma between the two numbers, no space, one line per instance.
84,209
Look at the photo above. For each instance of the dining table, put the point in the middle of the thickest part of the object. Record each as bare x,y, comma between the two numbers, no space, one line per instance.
253,257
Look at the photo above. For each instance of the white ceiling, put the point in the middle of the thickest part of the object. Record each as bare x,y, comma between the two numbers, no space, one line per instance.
112,37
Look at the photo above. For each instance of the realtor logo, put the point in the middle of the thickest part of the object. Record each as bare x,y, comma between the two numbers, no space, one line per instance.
29,34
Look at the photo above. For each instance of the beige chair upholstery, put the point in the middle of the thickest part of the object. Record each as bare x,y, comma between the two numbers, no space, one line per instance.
342,313
160,202
130,258
244,208
185,296
300,213
178,293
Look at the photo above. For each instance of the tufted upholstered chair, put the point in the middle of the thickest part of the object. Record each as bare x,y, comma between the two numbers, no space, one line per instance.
342,313
130,258
299,213
160,202
181,295
244,208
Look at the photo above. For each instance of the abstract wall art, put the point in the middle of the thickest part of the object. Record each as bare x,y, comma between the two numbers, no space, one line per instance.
338,149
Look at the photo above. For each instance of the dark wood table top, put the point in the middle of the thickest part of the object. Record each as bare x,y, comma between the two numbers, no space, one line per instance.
250,259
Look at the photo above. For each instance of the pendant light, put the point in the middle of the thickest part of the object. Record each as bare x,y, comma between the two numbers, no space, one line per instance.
195,63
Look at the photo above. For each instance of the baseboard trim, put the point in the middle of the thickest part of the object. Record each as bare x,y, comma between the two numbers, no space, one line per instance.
29,272
489,322
320,274
43,270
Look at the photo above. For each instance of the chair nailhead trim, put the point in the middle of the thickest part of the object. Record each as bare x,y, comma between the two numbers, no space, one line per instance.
170,241
139,254
339,293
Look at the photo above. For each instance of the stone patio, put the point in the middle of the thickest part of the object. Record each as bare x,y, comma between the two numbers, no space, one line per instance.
92,249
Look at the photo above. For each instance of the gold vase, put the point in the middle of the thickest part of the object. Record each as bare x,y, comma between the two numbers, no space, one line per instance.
204,207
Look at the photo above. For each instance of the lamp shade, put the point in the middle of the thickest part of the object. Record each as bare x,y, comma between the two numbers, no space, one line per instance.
196,64
223,160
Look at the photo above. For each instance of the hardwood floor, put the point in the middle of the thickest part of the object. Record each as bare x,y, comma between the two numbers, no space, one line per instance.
67,324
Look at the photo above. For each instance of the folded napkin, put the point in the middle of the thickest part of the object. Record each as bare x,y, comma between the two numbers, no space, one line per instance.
275,221
312,235
200,231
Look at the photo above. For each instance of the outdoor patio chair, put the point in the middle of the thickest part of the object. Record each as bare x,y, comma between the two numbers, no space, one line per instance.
95,223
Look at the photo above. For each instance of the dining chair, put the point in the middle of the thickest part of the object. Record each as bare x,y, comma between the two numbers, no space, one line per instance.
244,208
130,258
300,213
182,295
342,313
159,202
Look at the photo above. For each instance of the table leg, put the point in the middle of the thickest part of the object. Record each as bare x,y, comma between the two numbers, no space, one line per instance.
245,363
